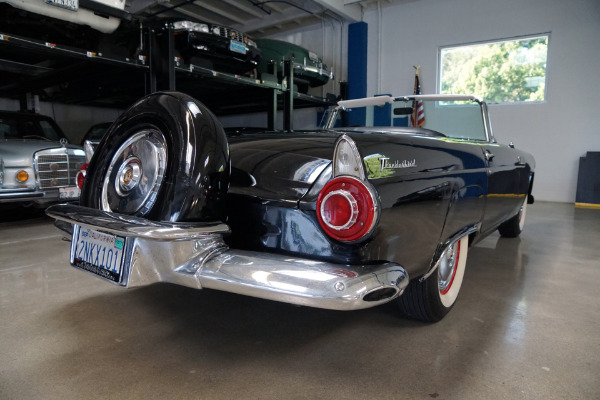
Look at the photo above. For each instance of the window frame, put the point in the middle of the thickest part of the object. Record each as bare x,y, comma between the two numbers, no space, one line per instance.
492,41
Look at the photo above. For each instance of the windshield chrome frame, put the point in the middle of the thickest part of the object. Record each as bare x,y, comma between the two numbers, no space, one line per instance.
383,100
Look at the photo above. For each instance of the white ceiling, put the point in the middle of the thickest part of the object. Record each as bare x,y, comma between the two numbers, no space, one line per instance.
255,17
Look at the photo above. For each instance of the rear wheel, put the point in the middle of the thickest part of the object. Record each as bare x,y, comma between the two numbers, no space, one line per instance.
514,226
430,300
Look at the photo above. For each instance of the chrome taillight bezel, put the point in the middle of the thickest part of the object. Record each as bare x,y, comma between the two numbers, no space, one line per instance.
349,178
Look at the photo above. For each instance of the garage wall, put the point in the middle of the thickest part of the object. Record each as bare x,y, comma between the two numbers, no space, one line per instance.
330,41
73,120
410,32
557,131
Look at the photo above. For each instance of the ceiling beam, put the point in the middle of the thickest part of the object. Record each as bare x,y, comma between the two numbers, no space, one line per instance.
219,11
246,8
275,7
186,10
288,15
351,12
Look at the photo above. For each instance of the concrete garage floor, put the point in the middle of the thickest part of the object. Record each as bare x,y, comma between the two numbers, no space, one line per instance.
526,326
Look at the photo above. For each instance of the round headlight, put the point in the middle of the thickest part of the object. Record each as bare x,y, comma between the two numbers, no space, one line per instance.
22,176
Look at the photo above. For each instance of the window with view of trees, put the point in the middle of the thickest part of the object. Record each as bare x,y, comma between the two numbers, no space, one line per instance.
499,72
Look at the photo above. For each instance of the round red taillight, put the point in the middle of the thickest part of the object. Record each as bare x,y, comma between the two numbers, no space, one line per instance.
346,209
80,177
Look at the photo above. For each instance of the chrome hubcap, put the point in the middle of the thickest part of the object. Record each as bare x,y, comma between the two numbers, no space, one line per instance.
129,175
135,174
447,267
522,213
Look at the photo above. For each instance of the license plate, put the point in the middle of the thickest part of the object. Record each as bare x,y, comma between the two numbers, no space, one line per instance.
100,253
72,5
69,193
237,47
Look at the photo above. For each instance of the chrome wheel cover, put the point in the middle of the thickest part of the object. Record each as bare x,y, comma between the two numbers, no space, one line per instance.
135,174
447,267
451,271
522,213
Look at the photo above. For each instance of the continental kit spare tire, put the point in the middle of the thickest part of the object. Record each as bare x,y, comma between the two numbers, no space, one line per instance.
165,159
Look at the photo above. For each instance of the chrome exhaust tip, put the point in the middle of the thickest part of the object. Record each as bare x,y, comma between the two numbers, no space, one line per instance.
381,294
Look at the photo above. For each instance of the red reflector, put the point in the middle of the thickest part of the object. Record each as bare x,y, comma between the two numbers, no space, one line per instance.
339,209
80,177
346,209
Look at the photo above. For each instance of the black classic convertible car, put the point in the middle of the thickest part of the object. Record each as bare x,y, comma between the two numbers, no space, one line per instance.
339,218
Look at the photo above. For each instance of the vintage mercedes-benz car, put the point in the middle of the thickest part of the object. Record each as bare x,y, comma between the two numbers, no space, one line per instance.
37,165
337,218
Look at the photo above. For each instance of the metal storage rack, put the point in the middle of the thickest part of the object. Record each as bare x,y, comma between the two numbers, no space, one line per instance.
59,73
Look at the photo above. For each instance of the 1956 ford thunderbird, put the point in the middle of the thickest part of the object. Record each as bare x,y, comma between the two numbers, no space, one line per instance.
339,218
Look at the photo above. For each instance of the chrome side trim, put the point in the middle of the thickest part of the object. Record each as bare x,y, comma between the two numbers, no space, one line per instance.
486,122
128,225
197,257
451,241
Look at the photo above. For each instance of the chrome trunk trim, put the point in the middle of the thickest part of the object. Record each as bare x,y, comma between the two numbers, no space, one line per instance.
131,226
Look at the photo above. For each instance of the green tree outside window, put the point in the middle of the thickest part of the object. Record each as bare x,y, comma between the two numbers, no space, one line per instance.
499,72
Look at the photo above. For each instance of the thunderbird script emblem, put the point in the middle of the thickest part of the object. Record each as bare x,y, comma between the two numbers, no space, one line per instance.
385,164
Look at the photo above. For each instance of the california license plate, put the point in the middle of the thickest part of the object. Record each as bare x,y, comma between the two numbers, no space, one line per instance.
100,253
237,47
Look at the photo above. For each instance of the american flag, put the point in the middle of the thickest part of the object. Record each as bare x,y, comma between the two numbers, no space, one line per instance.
417,118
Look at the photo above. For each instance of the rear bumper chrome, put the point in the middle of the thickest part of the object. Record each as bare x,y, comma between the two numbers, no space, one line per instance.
195,255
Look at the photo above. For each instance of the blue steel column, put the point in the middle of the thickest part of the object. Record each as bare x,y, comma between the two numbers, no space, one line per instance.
357,69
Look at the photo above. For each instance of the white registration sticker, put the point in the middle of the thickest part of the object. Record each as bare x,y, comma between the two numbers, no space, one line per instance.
100,253
72,5
68,193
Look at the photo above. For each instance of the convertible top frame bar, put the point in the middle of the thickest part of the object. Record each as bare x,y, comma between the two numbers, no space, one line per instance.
383,100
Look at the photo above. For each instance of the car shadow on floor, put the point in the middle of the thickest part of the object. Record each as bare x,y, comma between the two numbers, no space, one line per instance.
180,337
10,213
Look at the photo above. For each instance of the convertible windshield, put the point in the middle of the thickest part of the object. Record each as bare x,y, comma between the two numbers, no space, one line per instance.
23,126
459,117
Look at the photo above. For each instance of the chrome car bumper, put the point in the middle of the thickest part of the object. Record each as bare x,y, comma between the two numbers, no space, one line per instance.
42,197
313,70
13,195
195,255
